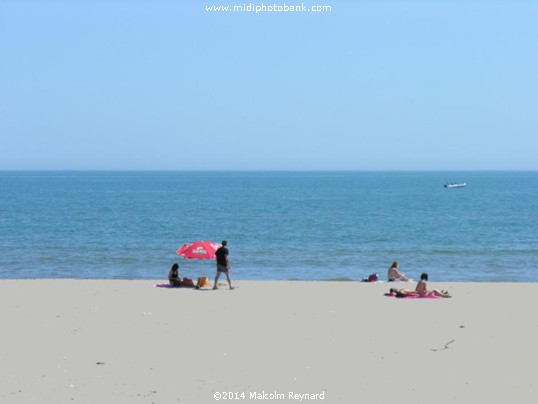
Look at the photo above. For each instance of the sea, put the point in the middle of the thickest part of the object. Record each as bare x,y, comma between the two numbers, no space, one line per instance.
337,226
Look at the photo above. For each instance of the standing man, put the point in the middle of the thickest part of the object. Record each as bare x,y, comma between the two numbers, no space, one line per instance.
223,264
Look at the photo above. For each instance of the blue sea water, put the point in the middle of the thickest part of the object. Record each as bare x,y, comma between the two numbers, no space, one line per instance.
279,225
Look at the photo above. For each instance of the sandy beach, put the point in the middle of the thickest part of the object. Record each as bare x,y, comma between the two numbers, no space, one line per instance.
104,341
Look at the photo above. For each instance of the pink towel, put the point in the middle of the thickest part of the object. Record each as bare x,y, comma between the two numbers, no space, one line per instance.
412,296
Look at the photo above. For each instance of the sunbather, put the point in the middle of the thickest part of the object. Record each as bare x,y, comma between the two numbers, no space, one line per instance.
394,275
173,276
421,290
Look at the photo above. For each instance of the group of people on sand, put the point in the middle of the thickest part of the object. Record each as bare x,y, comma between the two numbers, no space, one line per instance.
421,290
394,275
223,267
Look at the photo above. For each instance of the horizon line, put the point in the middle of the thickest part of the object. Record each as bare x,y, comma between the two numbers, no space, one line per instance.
267,170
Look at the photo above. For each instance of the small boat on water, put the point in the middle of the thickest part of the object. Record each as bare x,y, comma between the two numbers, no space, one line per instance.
455,185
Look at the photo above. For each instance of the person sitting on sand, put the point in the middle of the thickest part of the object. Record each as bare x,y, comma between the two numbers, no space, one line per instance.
173,276
394,275
421,290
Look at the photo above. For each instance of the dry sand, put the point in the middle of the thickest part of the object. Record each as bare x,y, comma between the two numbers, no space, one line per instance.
103,341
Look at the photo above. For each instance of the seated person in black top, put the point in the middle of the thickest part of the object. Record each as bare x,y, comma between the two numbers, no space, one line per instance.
173,276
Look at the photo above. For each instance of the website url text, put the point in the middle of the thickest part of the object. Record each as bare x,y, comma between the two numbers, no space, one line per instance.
269,8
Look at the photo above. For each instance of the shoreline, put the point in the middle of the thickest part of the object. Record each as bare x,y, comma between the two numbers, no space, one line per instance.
123,341
211,278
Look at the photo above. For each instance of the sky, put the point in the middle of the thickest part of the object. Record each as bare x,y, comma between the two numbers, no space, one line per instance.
366,85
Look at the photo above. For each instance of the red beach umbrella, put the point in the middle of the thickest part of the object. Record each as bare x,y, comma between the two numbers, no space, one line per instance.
204,250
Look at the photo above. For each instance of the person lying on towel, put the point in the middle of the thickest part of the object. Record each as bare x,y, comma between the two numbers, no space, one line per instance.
421,290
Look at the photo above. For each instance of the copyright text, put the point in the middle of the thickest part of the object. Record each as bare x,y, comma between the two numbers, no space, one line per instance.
265,395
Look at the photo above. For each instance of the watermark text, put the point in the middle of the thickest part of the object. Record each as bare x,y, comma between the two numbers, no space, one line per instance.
257,8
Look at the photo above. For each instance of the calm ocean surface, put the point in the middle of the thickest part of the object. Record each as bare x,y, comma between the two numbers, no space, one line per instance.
279,225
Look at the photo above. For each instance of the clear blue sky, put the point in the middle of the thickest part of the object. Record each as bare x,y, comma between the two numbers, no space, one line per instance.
398,85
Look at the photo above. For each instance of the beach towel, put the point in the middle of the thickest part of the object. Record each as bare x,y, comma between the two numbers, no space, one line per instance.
412,296
167,285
